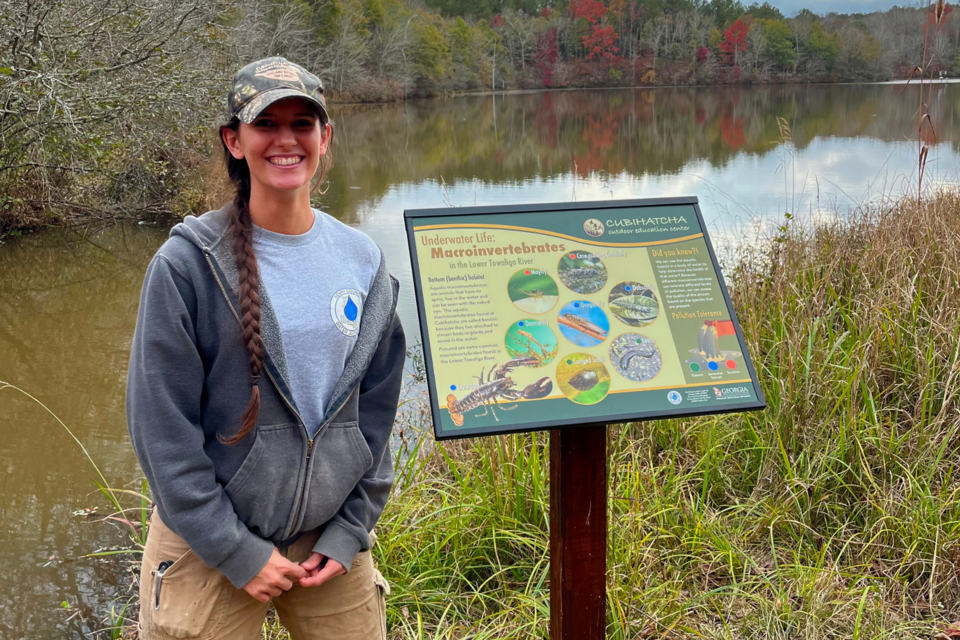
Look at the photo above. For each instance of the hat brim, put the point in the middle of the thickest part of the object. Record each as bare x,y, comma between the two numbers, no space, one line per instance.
255,107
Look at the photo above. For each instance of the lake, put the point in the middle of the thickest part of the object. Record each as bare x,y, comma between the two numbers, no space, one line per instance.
68,304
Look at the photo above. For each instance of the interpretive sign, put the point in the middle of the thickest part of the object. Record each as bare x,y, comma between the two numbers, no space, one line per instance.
549,315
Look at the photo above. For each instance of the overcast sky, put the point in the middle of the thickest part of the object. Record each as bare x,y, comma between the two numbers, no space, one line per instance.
790,7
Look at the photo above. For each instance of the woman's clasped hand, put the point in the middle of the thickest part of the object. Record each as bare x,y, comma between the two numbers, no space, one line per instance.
278,575
319,571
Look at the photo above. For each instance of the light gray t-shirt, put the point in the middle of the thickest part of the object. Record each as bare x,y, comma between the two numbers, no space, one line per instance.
317,282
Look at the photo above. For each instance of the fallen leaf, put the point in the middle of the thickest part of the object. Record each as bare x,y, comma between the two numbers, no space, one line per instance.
950,633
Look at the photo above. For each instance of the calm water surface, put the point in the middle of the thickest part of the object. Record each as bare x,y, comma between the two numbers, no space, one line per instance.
68,305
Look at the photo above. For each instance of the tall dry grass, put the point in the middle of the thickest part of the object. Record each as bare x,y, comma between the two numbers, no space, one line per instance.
834,513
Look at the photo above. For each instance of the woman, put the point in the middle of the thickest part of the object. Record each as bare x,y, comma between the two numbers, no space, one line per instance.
264,377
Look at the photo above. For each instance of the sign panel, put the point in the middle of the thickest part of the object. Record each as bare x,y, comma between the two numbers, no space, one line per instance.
544,316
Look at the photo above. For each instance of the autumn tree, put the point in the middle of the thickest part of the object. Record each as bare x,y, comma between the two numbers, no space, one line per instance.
600,42
546,57
591,10
735,41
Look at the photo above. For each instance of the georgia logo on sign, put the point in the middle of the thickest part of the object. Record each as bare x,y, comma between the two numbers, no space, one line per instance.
345,308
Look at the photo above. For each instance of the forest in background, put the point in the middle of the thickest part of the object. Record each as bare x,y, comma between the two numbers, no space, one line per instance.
107,107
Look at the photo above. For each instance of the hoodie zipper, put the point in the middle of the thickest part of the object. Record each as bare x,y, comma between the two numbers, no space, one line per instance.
306,471
306,475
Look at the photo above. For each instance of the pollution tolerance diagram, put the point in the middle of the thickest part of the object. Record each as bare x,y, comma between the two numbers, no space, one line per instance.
578,325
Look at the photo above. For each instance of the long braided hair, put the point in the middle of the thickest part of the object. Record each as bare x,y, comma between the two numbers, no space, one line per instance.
241,230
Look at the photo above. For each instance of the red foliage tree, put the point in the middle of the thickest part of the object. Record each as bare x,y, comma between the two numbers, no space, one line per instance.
547,52
497,21
599,42
592,10
703,54
735,40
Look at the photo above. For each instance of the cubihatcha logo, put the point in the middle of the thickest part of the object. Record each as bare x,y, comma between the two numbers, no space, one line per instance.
593,227
345,310
674,397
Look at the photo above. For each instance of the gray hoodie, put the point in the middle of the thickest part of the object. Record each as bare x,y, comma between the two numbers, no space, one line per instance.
189,379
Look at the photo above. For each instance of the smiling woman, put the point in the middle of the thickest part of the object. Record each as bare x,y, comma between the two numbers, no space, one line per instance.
282,149
225,422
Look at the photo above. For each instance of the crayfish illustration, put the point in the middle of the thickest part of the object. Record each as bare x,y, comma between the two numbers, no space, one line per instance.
498,385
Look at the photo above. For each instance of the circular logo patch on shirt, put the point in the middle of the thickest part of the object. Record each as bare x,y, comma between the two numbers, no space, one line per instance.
345,310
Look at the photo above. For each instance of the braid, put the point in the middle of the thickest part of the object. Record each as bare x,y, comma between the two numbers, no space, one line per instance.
249,277
249,281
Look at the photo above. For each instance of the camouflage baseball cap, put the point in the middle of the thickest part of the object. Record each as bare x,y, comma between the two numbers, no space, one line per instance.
261,83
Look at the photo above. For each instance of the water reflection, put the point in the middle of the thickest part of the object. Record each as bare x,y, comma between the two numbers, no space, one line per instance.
68,306
609,134
67,310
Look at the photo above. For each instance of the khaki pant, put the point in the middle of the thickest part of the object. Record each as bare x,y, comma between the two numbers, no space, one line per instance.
200,603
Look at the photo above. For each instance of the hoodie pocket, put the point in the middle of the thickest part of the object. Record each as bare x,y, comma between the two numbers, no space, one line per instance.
263,489
340,458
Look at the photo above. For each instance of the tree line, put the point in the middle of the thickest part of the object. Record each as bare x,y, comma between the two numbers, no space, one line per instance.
107,106
377,48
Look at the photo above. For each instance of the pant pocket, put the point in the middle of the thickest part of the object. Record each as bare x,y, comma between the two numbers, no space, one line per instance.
383,590
180,596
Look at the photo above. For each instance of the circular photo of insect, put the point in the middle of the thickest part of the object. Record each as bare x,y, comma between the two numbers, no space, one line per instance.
583,378
635,357
533,291
531,342
582,272
583,323
634,304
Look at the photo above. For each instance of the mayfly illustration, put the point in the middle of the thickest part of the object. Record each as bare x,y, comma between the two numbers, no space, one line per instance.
498,385
535,293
